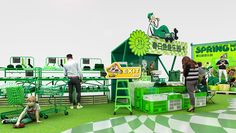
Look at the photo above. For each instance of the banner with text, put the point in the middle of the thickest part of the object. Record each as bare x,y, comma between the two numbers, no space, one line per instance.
210,53
175,48
115,71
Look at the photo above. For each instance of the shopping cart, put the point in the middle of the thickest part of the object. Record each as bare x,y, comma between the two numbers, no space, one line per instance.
55,96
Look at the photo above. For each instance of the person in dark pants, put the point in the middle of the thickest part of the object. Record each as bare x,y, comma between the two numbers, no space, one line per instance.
222,64
72,71
202,74
190,72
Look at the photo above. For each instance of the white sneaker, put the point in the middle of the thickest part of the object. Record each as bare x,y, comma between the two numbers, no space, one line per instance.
79,106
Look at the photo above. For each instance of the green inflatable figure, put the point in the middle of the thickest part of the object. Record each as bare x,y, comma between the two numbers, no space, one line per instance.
162,31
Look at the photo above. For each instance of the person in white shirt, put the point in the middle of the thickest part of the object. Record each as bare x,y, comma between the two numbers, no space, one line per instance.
72,71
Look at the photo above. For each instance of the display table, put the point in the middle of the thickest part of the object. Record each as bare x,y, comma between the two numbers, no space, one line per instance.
135,84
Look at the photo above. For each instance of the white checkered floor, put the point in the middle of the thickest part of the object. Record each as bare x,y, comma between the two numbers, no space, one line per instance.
221,121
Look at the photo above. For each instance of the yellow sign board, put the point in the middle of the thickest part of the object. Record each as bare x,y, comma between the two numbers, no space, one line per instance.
115,71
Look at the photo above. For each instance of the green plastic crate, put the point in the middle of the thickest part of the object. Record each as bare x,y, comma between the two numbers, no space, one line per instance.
175,104
201,94
200,99
174,96
155,107
15,95
185,103
138,103
139,92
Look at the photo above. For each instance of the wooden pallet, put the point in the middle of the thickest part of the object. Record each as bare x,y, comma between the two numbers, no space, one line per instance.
43,101
226,92
100,99
86,100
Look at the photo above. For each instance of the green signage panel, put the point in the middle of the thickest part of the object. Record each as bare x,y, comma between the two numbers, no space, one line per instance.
175,48
210,53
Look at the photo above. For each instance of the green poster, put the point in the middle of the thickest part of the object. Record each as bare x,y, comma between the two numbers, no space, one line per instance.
210,53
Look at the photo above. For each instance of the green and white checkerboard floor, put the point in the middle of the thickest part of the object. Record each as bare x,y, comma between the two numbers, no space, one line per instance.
221,121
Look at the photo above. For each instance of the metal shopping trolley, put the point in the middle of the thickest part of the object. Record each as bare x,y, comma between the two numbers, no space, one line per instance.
55,98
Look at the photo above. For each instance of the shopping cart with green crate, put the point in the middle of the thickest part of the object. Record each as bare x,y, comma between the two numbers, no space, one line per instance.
55,94
16,97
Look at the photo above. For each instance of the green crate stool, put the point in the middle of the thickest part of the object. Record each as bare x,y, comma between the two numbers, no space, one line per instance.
122,85
15,96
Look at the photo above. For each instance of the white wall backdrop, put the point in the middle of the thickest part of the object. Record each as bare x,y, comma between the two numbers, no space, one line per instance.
93,28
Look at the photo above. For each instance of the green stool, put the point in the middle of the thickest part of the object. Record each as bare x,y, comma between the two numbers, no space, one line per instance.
122,100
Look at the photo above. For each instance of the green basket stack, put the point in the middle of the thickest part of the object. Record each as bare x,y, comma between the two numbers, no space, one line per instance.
155,105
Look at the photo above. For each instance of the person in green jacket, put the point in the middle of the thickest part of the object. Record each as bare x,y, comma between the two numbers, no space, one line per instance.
162,31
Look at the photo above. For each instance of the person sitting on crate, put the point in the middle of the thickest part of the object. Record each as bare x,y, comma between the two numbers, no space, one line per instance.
232,81
29,114
212,76
202,74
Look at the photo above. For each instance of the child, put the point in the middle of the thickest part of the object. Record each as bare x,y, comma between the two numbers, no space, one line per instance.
29,114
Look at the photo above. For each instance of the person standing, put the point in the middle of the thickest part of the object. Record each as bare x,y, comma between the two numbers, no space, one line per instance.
191,73
72,71
222,64
202,74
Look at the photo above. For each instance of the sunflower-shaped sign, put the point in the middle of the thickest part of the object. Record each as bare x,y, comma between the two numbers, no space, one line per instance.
139,42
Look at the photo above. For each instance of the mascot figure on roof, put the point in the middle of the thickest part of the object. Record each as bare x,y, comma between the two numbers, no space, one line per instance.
162,31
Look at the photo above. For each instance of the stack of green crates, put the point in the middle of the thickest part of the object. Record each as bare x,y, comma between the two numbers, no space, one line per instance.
174,101
138,96
185,101
154,105
200,99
